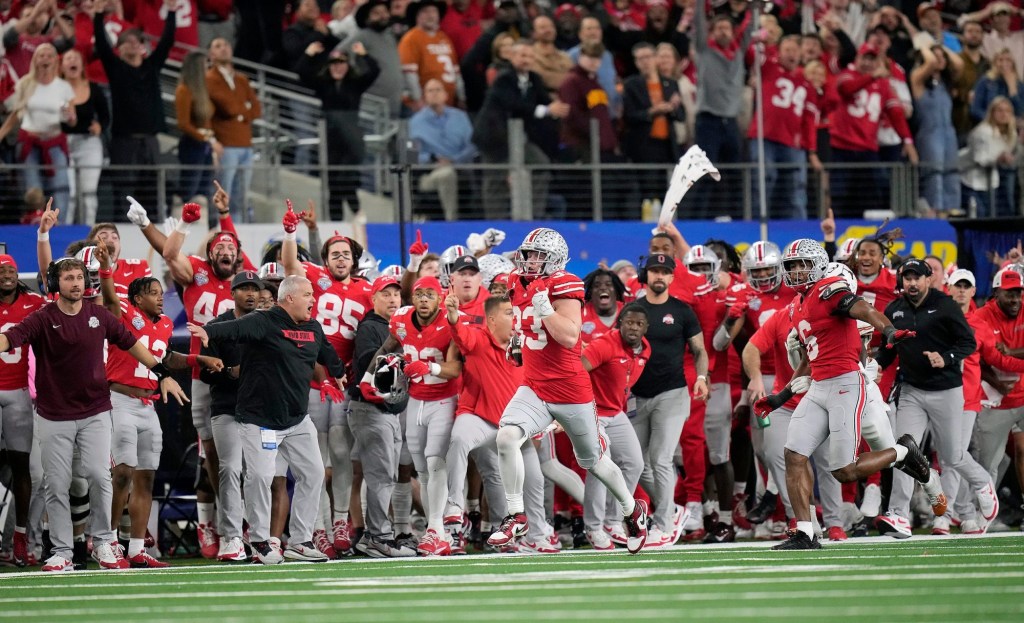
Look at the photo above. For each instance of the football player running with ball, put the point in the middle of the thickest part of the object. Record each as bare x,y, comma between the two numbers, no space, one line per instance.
547,303
825,318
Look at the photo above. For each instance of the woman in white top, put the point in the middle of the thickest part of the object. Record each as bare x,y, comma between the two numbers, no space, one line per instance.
42,101
991,145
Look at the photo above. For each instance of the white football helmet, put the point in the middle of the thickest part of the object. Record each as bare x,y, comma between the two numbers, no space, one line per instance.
553,253
392,270
761,255
846,250
703,257
272,272
447,260
838,269
87,255
492,265
369,266
813,263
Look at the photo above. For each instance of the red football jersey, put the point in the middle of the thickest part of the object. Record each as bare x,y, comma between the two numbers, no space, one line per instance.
150,15
790,107
760,307
14,363
770,341
832,342
614,369
155,336
127,271
710,309
864,99
554,372
205,298
489,379
338,307
684,283
430,344
594,326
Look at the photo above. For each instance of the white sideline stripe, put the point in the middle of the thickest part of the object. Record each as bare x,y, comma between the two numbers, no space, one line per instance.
573,557
540,577
553,600
343,587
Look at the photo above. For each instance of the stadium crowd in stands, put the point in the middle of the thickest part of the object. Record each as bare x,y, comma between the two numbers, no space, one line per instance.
845,83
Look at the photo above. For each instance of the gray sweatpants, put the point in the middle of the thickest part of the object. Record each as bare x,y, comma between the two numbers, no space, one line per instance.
830,492
227,436
57,442
379,436
943,411
962,498
298,445
473,435
533,493
624,448
990,433
658,424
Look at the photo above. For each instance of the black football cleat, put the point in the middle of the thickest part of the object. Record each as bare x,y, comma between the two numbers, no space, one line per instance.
915,464
720,533
764,509
579,533
798,540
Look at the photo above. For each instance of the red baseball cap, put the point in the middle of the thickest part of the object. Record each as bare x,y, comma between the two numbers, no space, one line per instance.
7,260
382,282
430,283
1008,279
868,49
924,7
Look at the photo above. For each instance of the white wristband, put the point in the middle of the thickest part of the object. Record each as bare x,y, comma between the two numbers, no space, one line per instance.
435,369
43,236
414,263
701,377
289,235
182,227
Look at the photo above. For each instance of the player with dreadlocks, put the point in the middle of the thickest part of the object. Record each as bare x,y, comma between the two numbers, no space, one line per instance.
137,438
604,294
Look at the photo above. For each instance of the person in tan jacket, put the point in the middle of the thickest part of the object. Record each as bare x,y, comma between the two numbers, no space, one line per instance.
235,107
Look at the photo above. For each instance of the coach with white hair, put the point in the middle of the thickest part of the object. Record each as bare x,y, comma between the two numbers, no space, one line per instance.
279,350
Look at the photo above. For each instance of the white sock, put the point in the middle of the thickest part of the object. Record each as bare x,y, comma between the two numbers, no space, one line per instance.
205,512
771,485
611,476
514,501
901,452
135,546
472,505
806,528
725,518
401,507
20,529
437,491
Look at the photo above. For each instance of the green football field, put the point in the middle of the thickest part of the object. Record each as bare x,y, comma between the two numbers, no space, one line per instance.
877,579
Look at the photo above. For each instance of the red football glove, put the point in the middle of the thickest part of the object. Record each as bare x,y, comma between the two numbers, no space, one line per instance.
895,336
416,370
762,408
419,247
290,219
737,311
190,212
369,393
329,390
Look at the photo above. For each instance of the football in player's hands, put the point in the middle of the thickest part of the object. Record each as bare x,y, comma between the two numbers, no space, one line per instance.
416,370
290,221
514,352
419,248
190,212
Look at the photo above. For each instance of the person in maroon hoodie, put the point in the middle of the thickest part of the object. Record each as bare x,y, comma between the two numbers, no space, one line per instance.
587,100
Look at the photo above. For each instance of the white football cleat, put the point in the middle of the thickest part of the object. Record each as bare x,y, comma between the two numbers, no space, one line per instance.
895,526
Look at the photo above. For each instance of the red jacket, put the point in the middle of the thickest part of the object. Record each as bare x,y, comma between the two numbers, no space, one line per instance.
1009,331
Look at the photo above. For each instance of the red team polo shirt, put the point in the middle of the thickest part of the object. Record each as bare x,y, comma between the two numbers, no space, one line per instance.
489,380
554,372
1009,331
614,370
155,336
430,344
986,338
